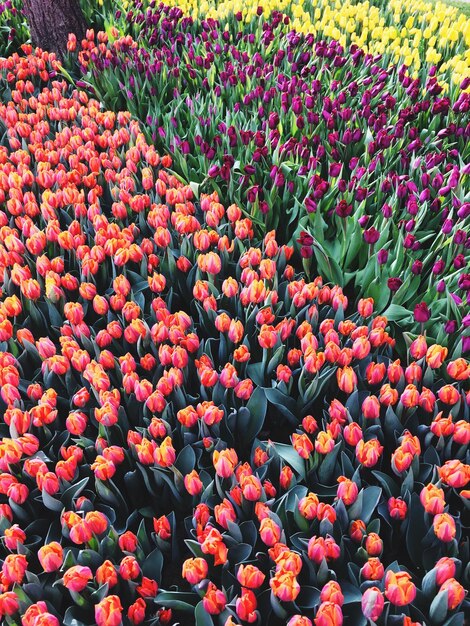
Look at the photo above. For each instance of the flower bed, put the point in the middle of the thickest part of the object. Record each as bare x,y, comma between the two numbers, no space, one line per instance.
194,431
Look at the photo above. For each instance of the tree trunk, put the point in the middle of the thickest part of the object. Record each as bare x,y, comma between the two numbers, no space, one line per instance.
51,21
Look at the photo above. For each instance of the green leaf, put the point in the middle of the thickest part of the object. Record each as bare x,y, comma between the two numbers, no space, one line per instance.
111,495
326,471
389,485
178,600
284,404
397,313
256,372
370,501
456,620
186,460
438,608
257,406
416,530
428,584
291,457
351,593
89,558
73,491
240,552
70,619
327,266
153,564
308,597
51,503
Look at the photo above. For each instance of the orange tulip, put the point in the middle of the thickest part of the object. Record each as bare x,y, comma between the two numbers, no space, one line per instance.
331,592
371,407
347,379
455,593
454,473
368,452
108,612
373,569
214,601
246,605
347,490
76,578
14,568
269,531
302,445
51,556
444,527
435,356
329,614
285,586
399,589
9,603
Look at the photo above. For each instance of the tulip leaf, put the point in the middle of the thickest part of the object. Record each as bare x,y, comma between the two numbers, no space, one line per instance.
186,460
289,455
351,593
51,503
178,600
397,313
439,607
240,552
277,607
256,372
416,529
326,471
389,485
308,598
371,499
152,567
110,494
54,315
73,491
99,594
257,406
456,620
89,558
428,584
70,619
284,404
327,266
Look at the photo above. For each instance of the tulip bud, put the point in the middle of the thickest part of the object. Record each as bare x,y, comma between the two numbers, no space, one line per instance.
372,603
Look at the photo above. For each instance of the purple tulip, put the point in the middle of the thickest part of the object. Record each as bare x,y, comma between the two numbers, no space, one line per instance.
343,209
417,267
465,344
394,284
450,327
371,236
438,267
464,282
421,313
382,256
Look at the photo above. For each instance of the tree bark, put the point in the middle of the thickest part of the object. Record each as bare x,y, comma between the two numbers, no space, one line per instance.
51,21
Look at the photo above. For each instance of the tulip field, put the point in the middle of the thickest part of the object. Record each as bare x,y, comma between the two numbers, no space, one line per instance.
235,316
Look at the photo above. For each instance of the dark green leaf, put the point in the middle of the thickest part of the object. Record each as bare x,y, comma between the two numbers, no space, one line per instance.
153,564
438,608
178,600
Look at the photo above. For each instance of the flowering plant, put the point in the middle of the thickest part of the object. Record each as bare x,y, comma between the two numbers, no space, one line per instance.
193,430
